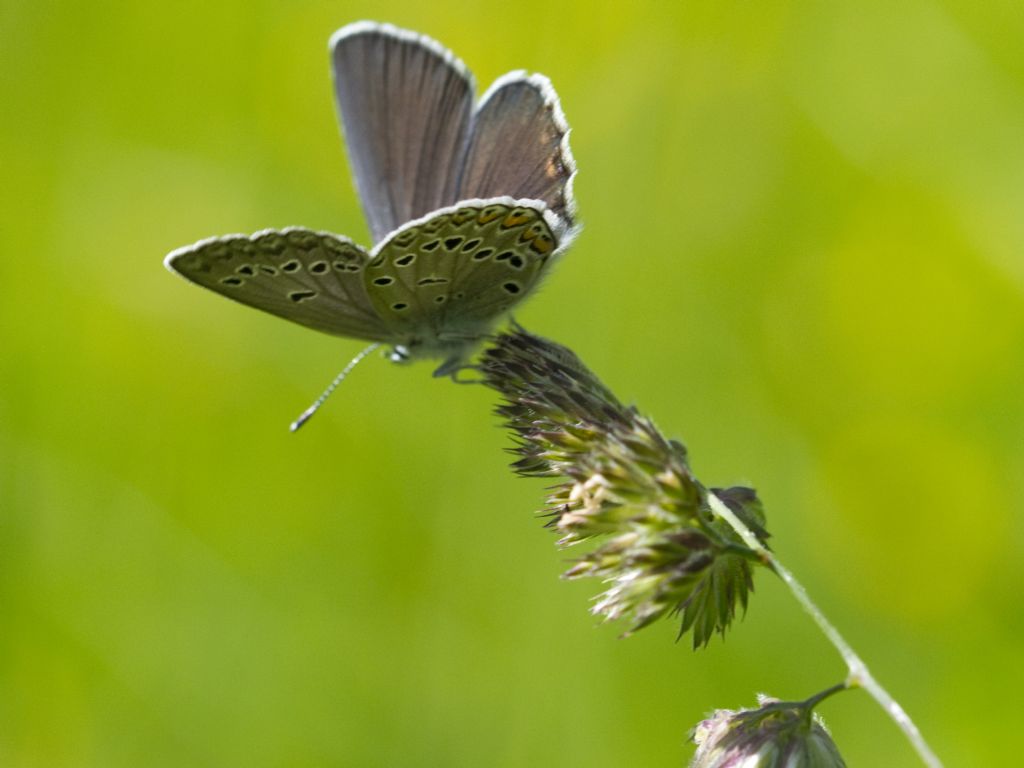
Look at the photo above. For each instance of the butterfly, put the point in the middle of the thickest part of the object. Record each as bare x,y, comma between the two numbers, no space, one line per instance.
468,205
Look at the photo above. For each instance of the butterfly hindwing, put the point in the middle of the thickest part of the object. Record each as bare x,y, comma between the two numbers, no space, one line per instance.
311,278
406,106
456,271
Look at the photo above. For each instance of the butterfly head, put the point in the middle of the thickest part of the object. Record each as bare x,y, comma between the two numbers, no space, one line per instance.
400,354
453,352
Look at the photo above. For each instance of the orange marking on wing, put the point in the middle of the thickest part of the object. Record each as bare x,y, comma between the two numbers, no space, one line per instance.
489,215
517,217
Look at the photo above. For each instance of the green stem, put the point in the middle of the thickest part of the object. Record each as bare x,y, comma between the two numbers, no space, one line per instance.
807,705
813,701
858,674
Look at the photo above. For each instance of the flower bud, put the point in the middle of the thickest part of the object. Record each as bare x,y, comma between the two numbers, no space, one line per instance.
775,735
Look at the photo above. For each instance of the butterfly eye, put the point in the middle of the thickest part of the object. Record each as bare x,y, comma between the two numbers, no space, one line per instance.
400,354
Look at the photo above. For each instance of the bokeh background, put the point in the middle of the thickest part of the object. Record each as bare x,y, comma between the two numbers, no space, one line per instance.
803,255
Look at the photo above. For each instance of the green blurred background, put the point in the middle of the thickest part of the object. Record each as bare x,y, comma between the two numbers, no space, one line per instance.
803,255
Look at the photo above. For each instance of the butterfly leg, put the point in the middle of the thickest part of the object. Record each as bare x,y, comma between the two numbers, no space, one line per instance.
452,367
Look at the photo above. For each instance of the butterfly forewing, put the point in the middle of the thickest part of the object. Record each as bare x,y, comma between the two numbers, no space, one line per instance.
456,272
311,278
518,146
406,107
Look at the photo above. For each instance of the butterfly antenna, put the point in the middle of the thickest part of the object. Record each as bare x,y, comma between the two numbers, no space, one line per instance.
308,413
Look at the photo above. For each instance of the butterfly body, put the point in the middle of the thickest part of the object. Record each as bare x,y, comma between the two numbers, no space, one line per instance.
469,206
